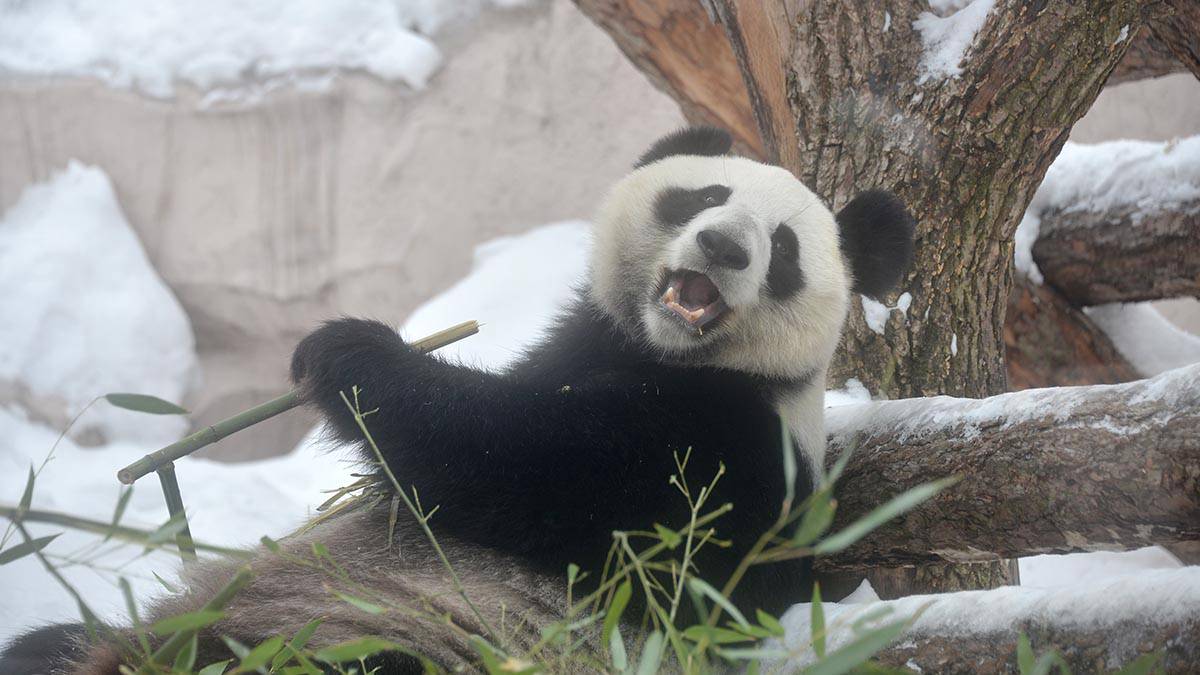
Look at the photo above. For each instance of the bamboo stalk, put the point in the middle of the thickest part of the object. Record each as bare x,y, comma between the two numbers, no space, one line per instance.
170,488
122,532
212,434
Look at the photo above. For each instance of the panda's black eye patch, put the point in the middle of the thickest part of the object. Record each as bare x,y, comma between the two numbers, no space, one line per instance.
676,206
784,278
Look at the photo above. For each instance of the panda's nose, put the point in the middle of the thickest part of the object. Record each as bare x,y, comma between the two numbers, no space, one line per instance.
722,251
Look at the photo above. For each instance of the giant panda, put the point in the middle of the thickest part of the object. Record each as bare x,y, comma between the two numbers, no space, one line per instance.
713,303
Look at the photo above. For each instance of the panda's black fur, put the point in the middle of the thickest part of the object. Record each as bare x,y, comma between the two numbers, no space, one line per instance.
541,463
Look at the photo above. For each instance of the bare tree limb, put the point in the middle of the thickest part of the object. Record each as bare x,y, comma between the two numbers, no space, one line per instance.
1094,629
1105,467
1121,256
1180,32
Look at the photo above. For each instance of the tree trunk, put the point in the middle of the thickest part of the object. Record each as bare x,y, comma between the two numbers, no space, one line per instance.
1043,471
1096,258
1050,343
834,91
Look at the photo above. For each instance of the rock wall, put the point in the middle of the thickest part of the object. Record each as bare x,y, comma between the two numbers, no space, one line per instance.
364,198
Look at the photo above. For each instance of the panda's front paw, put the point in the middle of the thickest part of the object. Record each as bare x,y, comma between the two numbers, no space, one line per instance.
342,347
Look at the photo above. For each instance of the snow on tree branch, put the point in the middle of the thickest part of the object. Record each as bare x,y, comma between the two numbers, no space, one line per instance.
1102,467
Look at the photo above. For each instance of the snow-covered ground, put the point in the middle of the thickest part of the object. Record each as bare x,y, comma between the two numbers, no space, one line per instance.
236,503
230,47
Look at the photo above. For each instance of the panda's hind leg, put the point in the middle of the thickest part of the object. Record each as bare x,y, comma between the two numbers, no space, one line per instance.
46,650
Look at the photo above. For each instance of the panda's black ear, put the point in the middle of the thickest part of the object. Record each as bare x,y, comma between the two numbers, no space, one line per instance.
703,141
877,239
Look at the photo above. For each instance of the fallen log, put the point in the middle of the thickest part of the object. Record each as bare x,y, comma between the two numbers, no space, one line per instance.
1121,255
1103,467
1093,629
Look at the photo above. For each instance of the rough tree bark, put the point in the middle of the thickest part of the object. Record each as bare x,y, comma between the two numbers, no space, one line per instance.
1147,57
1050,343
1179,30
1104,467
1096,258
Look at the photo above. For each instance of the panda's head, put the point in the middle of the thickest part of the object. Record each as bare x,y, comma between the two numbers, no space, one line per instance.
725,261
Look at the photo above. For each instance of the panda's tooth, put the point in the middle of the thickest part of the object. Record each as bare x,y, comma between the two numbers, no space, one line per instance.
669,296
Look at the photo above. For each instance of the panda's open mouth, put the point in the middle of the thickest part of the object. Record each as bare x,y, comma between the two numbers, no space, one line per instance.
694,298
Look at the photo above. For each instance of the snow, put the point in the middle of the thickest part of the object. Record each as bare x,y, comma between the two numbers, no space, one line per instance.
954,345
84,312
915,417
1141,178
876,313
853,392
229,45
946,38
1141,598
542,268
1150,342
227,504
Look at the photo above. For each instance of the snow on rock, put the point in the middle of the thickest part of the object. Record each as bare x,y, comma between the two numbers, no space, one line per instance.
1139,177
1051,571
153,46
1156,597
227,504
84,312
876,313
918,416
946,38
1150,342
853,392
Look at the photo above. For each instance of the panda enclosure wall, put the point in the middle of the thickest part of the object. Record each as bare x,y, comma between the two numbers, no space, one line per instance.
828,91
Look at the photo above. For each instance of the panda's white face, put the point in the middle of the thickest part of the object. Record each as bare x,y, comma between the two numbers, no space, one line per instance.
725,261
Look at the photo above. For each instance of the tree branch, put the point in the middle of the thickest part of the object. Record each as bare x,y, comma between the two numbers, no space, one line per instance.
1049,343
1105,467
1147,57
1180,32
1121,255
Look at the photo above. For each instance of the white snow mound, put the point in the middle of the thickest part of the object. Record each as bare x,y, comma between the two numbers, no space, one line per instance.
85,314
153,46
946,38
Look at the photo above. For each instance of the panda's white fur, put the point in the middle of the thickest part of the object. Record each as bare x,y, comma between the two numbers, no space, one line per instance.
792,339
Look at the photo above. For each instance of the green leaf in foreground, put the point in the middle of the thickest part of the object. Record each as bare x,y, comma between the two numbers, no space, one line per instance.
259,656
144,403
357,649
652,654
713,594
1025,657
368,607
616,649
817,621
615,609
27,495
214,668
859,650
896,506
186,658
770,623
1142,665
25,548
189,621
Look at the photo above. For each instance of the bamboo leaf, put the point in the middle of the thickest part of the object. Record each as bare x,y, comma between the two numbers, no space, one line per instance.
816,520
859,650
298,641
652,653
167,530
190,621
214,668
258,657
26,548
131,607
896,506
354,650
144,403
122,502
715,635
186,658
668,536
817,622
615,609
770,623
368,607
616,650
789,462
713,594
27,495
239,650
165,584
1024,654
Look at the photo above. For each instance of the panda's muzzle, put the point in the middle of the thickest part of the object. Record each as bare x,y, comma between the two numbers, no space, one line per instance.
694,298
